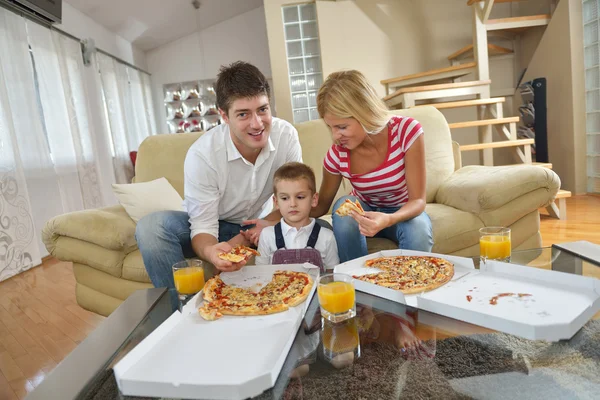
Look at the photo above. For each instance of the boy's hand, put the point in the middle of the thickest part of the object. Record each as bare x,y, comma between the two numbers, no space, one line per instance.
253,234
212,253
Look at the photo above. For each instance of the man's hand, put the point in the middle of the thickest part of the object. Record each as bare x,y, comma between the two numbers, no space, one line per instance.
372,222
253,234
212,254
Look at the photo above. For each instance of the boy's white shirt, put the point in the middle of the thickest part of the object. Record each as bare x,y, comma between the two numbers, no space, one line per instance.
297,239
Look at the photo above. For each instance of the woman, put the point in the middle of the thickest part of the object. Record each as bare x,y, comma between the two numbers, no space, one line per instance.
383,157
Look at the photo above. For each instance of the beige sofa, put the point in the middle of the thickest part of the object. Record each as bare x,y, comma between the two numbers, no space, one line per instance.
108,266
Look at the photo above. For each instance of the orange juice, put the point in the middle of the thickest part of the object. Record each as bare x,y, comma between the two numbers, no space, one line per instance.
189,280
494,247
336,297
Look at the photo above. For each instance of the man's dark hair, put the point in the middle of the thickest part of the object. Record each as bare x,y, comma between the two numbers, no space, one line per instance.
238,81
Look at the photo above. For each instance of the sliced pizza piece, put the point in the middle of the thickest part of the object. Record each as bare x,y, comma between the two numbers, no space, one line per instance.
260,307
209,313
348,206
239,254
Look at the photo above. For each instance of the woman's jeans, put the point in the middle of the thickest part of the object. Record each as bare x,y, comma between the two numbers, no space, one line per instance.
412,234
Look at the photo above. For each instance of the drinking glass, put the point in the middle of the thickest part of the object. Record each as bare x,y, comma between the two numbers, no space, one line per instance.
189,279
337,297
494,243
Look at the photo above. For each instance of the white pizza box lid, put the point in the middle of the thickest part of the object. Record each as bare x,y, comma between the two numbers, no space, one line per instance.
559,305
230,358
462,267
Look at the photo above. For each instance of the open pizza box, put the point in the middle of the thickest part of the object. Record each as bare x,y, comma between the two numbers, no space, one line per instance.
552,306
230,358
462,267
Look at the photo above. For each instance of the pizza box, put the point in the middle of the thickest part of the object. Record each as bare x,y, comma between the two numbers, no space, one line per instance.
230,358
462,267
555,307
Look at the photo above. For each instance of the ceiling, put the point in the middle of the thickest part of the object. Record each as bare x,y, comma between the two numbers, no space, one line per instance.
151,23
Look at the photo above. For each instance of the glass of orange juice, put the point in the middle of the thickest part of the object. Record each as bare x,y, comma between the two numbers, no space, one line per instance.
337,297
189,279
494,243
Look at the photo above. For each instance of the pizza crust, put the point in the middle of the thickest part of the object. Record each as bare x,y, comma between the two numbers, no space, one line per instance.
348,206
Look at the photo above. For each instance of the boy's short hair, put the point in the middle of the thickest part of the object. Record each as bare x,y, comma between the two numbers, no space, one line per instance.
294,171
239,80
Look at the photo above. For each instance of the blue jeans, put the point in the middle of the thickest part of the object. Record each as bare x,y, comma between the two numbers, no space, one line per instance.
164,239
412,234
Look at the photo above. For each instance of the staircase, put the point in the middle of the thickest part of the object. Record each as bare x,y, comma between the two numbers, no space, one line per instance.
443,88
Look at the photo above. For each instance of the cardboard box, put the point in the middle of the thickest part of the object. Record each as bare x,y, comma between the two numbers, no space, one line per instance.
558,306
230,358
462,267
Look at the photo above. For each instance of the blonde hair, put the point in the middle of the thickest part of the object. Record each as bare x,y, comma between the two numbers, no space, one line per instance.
348,94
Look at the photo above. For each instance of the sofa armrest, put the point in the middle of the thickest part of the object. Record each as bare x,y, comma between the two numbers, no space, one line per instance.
480,189
109,227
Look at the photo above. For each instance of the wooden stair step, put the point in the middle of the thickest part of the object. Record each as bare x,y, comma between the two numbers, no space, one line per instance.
452,72
464,103
467,51
496,145
563,194
518,23
442,86
471,2
483,122
538,164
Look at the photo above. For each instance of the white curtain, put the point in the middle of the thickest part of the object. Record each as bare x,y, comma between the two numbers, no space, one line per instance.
127,96
21,143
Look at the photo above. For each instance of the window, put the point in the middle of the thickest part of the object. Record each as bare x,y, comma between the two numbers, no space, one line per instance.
591,42
304,59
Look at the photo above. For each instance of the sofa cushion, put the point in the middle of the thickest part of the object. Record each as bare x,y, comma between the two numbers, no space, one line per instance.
97,257
143,198
452,229
163,156
133,268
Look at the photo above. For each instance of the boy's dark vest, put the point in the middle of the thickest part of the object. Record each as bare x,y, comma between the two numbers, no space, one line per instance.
298,256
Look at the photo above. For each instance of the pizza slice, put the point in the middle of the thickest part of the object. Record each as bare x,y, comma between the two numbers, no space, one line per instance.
209,313
348,206
239,254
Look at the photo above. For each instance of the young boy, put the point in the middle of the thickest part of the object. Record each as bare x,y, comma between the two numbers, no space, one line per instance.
295,194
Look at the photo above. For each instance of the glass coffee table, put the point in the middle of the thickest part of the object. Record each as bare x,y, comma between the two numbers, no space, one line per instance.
387,351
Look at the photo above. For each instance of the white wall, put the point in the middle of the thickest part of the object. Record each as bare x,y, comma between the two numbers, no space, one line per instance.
80,25
199,55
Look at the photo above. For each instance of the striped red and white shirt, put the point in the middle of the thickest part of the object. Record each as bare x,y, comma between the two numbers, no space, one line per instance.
385,186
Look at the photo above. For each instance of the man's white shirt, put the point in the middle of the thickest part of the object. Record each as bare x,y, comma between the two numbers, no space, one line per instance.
219,184
297,239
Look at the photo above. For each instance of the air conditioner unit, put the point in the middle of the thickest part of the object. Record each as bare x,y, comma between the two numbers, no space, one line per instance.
48,11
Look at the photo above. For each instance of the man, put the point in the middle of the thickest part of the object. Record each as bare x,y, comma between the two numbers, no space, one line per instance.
228,181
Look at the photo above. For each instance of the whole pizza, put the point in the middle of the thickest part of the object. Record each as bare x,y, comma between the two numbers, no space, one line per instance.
286,289
409,274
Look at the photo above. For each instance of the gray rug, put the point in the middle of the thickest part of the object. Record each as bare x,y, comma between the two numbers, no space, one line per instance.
488,366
